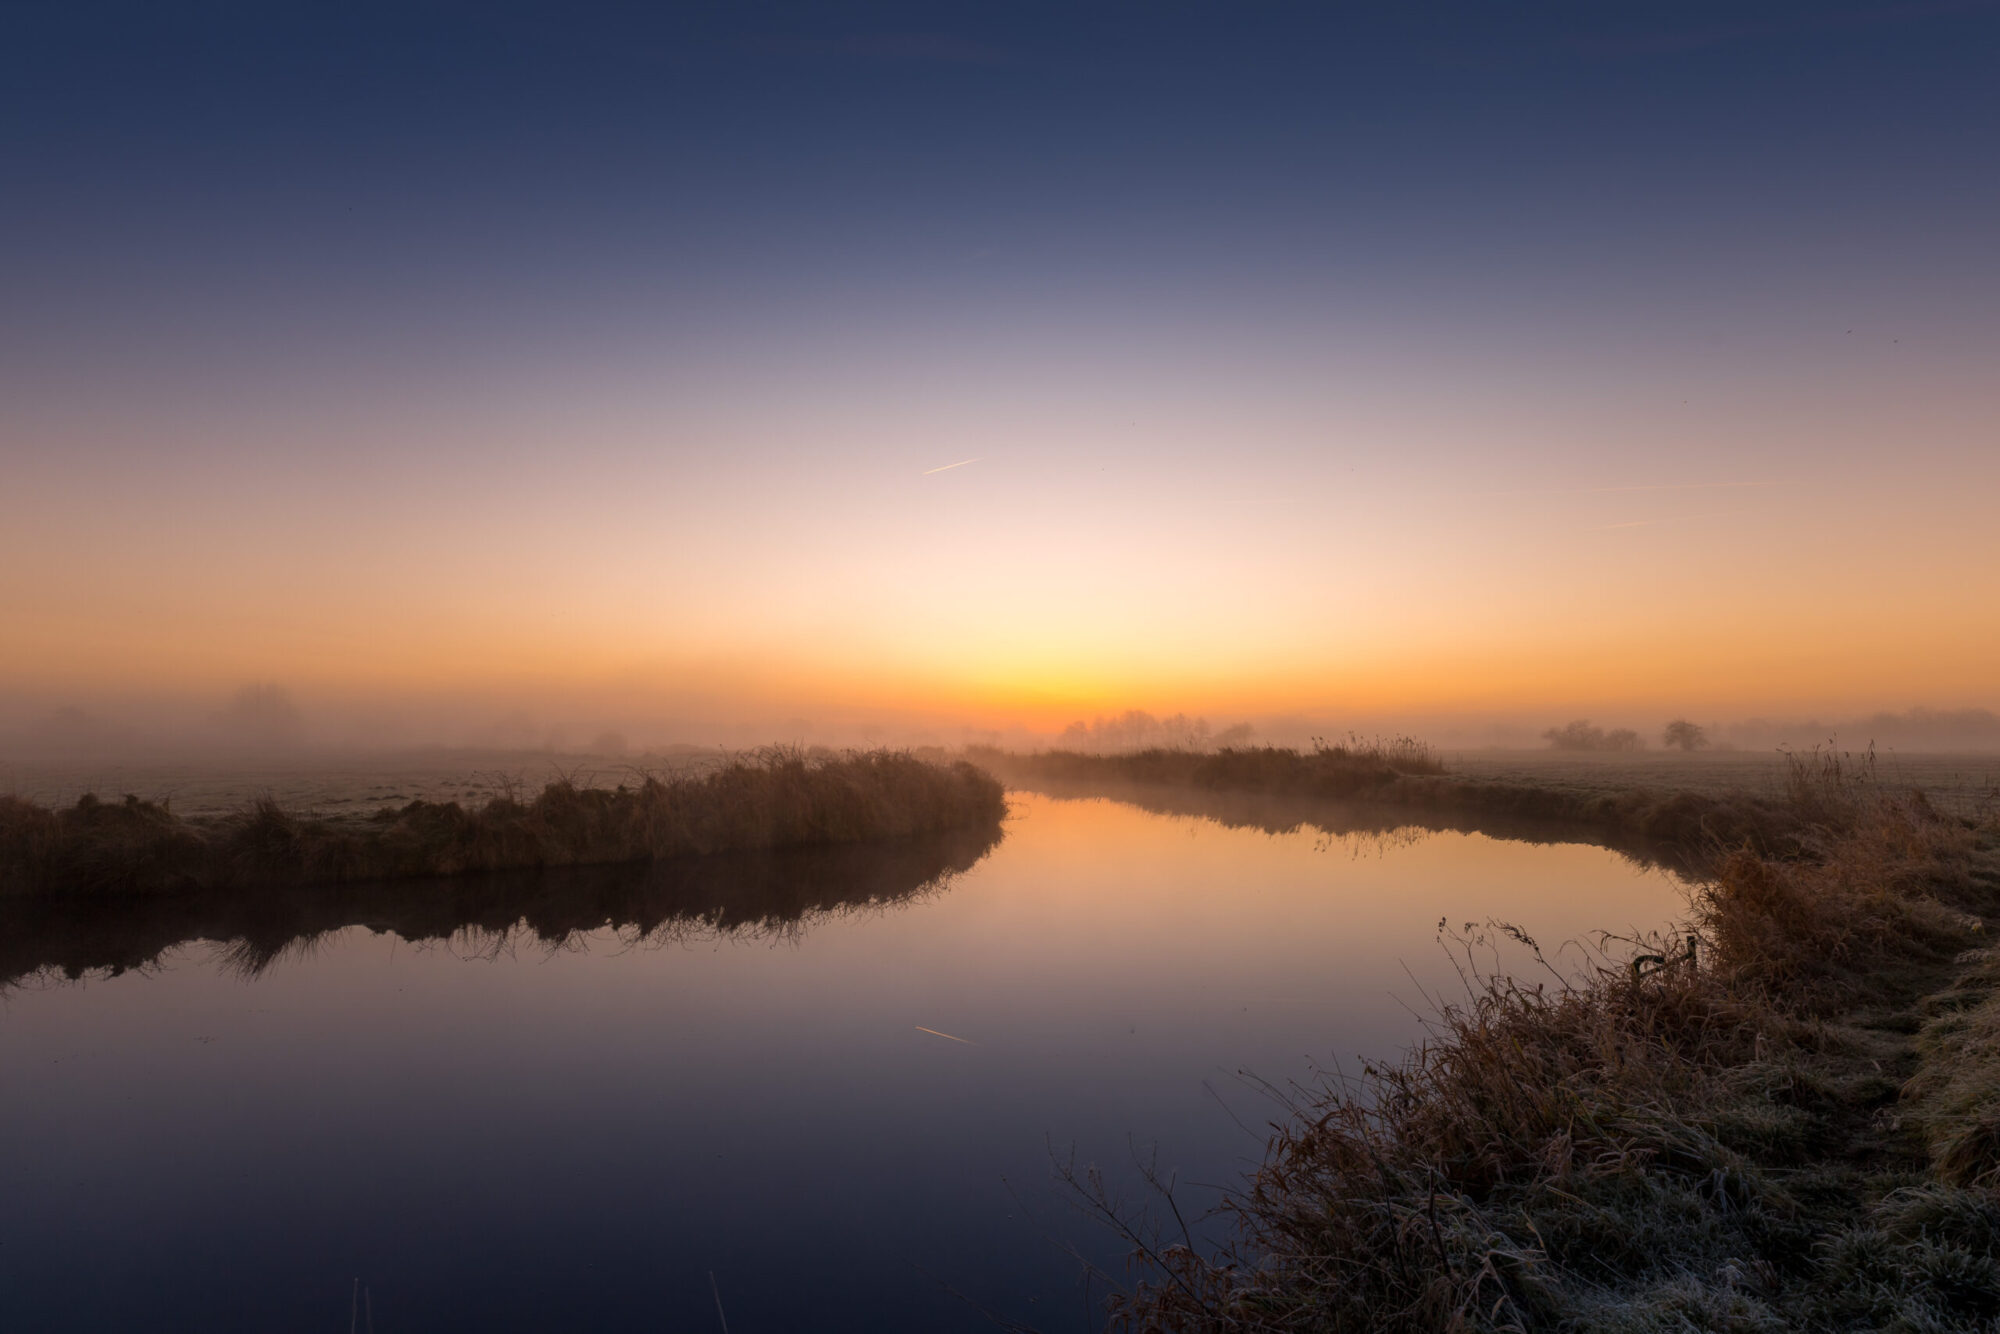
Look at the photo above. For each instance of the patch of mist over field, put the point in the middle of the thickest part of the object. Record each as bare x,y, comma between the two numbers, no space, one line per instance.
271,721
1914,729
1917,730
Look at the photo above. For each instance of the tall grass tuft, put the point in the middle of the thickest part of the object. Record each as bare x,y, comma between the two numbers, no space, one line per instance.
780,798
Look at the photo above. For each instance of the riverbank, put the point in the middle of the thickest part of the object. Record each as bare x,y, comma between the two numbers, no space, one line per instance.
1406,781
1784,1116
775,800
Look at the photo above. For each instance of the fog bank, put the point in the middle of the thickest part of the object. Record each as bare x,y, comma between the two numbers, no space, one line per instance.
261,720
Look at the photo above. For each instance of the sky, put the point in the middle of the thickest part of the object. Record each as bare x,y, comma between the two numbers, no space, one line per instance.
900,368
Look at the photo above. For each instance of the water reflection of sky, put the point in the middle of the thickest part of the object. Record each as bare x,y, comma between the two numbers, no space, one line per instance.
577,1138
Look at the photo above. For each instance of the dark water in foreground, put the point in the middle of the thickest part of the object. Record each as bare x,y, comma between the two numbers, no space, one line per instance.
492,1132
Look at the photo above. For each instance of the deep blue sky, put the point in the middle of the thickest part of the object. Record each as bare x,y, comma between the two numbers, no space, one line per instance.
383,143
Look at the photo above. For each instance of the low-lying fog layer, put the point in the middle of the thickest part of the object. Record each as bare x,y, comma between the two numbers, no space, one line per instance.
261,725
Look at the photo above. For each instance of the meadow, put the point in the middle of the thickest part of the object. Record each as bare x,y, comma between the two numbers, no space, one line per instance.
1962,782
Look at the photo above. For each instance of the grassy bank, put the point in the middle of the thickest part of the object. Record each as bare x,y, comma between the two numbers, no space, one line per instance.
779,799
1791,1122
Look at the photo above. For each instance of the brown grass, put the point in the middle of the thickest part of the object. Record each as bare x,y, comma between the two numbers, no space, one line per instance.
1722,1141
777,799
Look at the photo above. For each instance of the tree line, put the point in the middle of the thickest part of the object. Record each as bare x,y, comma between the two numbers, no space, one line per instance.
1680,734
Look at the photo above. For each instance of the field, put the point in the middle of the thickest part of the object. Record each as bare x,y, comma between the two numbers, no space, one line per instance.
336,784
1960,782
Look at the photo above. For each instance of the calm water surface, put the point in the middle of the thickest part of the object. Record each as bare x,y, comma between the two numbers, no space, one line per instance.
493,1133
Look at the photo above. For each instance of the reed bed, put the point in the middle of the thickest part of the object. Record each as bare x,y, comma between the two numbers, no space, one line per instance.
780,798
1786,1117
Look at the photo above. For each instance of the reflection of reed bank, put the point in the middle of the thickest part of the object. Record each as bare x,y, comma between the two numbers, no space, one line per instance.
1359,823
1375,791
742,892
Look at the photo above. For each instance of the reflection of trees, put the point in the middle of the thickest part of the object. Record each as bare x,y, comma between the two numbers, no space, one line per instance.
739,893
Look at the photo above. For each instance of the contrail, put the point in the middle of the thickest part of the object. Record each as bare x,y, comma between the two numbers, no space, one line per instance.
934,1033
949,466
718,1302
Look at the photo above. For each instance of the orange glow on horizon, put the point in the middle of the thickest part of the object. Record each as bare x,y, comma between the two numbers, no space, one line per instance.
1378,557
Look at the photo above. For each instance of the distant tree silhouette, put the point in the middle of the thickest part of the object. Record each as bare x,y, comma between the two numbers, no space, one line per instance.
1135,729
1684,734
1580,735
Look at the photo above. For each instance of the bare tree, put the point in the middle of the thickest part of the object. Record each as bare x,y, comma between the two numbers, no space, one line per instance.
1579,735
